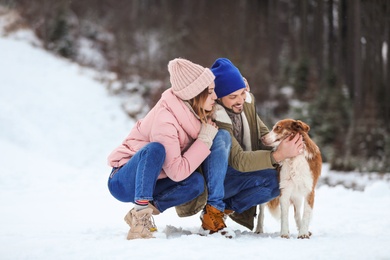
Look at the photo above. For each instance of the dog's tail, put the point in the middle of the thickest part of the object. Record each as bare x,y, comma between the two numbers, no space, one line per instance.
274,208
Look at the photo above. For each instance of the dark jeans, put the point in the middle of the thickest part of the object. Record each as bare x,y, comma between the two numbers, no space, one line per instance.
246,189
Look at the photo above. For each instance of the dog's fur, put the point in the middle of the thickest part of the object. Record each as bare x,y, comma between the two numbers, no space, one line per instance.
298,178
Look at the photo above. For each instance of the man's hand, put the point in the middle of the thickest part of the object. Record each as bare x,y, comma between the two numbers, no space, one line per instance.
289,148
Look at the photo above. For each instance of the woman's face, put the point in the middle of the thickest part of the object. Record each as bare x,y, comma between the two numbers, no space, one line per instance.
210,101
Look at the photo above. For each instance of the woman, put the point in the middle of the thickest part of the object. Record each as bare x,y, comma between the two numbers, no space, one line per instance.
156,165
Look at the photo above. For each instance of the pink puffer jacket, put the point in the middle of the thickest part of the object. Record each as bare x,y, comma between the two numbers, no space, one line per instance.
175,126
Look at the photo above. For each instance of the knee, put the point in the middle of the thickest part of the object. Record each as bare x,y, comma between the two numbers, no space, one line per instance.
273,180
274,185
275,192
157,150
270,179
223,136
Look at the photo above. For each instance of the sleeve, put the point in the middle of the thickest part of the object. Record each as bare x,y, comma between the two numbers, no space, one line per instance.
178,165
263,129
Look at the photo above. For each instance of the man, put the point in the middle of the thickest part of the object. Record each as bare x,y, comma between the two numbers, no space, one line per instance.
251,177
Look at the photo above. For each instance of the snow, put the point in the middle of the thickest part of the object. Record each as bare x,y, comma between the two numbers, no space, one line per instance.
58,125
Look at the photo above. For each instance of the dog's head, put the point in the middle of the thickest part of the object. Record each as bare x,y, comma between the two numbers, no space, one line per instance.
283,129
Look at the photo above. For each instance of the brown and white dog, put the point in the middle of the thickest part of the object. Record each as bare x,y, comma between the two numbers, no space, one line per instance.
298,178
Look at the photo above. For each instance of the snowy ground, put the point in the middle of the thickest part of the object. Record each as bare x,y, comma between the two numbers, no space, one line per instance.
57,127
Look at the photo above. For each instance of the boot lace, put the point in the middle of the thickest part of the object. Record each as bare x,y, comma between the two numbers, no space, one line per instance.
144,220
217,218
151,224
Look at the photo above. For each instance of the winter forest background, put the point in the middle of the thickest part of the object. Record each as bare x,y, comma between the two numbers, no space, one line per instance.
325,62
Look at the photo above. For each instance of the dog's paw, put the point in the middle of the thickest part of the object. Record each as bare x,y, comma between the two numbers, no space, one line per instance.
285,236
304,236
259,231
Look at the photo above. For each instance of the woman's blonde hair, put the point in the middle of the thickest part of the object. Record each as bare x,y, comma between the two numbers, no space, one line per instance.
197,103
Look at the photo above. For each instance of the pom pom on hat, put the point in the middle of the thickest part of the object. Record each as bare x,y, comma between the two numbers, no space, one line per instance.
228,78
188,79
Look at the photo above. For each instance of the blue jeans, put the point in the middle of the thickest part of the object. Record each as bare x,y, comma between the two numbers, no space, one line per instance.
244,190
214,169
137,179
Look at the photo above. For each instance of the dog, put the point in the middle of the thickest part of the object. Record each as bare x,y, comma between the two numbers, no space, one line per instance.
298,179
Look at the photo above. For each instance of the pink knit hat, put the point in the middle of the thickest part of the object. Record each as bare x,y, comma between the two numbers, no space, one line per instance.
188,79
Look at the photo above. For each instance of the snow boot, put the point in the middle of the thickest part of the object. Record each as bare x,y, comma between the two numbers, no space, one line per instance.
139,222
151,225
212,219
227,213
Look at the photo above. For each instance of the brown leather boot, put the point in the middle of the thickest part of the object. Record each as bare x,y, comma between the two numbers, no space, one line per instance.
227,213
139,224
212,219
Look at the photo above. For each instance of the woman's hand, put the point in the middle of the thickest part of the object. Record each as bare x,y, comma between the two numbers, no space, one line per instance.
208,132
211,122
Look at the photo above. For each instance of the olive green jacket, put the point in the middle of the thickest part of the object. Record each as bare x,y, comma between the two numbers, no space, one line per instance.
254,157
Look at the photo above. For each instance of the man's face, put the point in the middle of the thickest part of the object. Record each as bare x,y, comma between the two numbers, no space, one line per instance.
235,101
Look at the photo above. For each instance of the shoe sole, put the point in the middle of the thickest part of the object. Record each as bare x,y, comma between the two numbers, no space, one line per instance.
132,236
206,232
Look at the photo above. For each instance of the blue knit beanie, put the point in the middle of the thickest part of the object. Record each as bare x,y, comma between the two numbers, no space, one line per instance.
228,78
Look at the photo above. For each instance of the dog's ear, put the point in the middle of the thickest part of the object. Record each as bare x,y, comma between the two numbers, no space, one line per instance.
299,125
